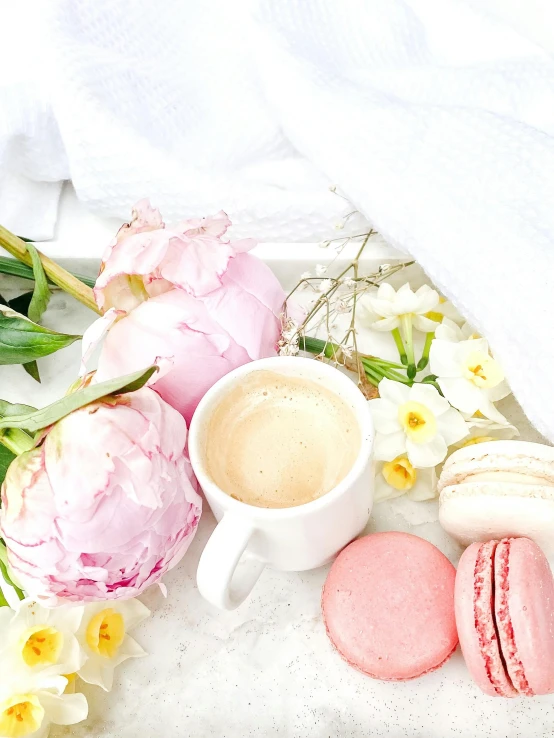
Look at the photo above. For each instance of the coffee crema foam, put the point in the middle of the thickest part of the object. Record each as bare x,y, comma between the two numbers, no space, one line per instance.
280,441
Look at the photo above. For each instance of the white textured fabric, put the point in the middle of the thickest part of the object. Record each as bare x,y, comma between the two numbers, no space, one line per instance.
435,117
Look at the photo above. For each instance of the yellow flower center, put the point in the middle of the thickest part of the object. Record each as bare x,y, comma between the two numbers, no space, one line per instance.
432,315
479,439
418,422
42,646
21,715
399,473
482,370
105,633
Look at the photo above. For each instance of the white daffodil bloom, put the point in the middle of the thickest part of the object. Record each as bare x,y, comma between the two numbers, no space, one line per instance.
104,638
30,704
445,310
398,477
469,377
34,638
448,330
482,430
385,308
415,422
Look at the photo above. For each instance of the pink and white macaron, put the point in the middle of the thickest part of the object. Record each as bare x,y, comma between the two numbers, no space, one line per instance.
504,604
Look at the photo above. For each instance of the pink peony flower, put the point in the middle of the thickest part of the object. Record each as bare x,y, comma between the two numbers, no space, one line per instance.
104,507
187,299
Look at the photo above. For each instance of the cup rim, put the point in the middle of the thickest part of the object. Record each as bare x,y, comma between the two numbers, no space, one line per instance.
230,504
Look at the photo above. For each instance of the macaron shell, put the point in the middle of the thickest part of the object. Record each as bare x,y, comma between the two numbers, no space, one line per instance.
523,457
388,606
481,511
475,621
525,614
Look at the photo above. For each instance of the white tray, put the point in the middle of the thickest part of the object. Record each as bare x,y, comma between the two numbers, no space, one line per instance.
266,669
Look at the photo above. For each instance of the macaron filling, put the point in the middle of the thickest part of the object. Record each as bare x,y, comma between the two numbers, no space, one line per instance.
489,645
503,620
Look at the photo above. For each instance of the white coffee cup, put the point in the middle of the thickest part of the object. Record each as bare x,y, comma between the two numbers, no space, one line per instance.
288,539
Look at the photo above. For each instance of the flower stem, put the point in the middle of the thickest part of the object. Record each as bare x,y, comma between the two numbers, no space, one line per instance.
422,363
5,574
17,441
406,323
59,276
3,601
400,346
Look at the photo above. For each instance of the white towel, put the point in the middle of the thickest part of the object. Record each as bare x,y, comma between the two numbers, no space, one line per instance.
435,117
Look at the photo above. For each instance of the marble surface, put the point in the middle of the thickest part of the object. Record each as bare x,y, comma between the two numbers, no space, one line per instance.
268,669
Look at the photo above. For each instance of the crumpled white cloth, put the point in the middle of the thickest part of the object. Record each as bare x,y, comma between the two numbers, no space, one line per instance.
435,117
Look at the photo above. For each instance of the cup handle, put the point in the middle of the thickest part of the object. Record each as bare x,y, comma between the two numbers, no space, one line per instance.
216,578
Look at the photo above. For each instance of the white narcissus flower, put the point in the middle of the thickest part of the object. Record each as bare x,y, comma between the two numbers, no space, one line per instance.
398,477
104,638
415,422
385,308
483,430
30,704
448,330
36,639
469,377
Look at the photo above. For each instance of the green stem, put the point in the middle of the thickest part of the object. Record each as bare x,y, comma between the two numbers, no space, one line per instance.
3,601
59,276
407,330
400,346
422,363
17,441
18,269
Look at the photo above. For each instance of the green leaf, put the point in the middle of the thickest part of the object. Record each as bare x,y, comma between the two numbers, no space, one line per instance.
6,458
41,292
7,409
38,419
22,341
18,269
32,370
4,565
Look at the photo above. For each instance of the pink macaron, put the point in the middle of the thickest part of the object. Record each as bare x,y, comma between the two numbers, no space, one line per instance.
388,606
504,604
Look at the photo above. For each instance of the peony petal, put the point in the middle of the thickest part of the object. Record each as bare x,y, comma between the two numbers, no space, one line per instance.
385,415
423,455
429,396
94,334
452,426
462,394
387,448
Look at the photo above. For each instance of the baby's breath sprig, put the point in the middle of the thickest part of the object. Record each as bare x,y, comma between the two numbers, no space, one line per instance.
339,296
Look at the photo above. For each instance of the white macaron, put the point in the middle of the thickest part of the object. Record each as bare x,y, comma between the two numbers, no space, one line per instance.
499,489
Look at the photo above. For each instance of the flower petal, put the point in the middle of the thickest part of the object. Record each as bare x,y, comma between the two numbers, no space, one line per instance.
487,409
428,299
387,448
133,612
395,392
386,324
499,392
385,415
384,491
65,709
423,455
443,358
425,487
429,396
452,426
423,324
462,394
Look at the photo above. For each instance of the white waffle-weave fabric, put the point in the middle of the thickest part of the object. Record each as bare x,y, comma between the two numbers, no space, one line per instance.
435,117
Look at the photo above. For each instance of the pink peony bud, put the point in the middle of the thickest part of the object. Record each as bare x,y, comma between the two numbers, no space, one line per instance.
193,302
105,505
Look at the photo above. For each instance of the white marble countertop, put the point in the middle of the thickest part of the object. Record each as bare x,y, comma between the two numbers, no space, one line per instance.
268,669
